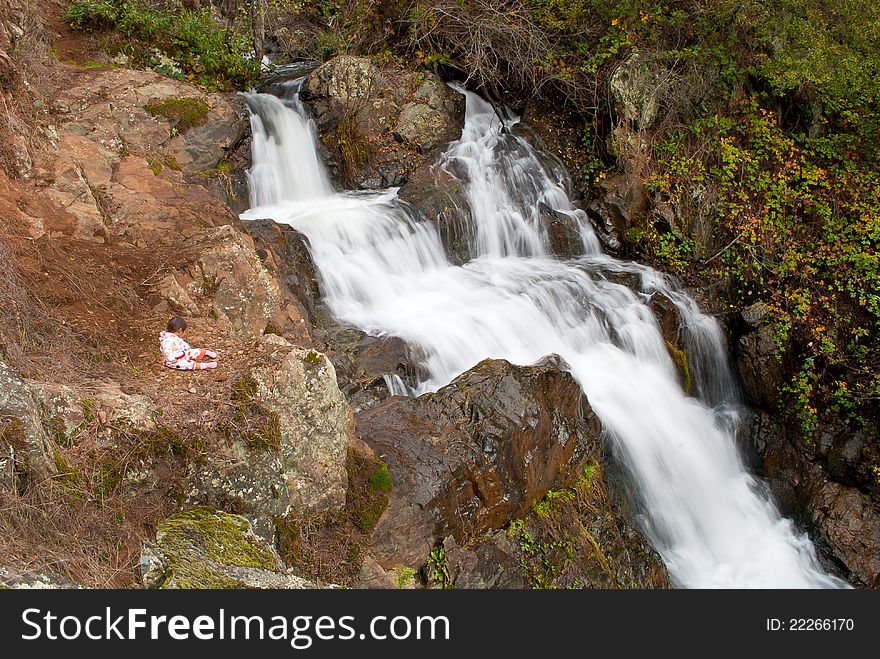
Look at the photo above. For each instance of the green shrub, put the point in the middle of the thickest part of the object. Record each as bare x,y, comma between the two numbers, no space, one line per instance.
206,51
92,14
143,23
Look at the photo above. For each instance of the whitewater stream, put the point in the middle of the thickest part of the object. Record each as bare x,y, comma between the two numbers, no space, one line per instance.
384,271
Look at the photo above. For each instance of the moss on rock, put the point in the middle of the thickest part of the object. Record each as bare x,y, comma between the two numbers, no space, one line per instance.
182,113
200,546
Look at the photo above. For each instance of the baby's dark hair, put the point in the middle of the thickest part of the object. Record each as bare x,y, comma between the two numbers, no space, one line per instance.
176,324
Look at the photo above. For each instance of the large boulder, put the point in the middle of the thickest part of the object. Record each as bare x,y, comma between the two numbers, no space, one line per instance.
575,537
349,85
315,423
636,87
204,548
289,429
380,124
438,197
243,290
284,252
433,117
474,457
622,204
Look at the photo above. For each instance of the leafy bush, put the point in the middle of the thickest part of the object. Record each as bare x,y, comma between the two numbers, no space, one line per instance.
92,14
206,52
143,23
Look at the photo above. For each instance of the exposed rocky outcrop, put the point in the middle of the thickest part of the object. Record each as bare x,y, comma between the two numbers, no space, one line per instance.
841,518
380,124
204,548
243,290
289,430
473,457
123,157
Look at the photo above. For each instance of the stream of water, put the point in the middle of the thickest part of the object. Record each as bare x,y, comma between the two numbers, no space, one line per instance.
387,273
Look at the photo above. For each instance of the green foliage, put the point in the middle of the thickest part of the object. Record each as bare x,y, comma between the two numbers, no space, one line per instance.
405,576
92,14
208,53
802,216
142,22
438,569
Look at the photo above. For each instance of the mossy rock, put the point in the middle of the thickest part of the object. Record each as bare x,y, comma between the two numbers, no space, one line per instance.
182,113
206,548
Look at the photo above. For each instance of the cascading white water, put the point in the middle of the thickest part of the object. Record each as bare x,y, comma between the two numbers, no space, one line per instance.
387,273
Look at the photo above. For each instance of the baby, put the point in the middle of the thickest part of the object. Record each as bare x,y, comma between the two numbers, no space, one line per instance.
178,353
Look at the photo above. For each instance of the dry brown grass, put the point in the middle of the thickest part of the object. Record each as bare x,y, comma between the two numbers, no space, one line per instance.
88,522
30,338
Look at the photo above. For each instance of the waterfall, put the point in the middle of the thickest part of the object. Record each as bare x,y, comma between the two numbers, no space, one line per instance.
387,273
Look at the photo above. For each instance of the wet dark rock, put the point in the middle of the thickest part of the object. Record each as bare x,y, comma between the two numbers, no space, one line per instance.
622,204
363,361
563,232
665,312
842,519
439,197
760,369
470,460
489,564
554,130
476,454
